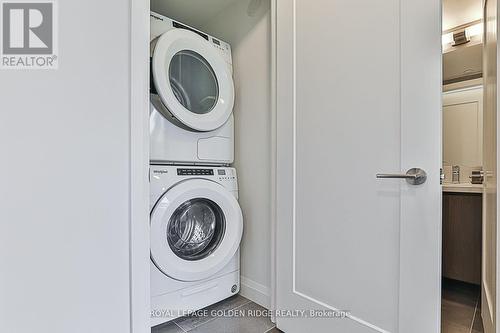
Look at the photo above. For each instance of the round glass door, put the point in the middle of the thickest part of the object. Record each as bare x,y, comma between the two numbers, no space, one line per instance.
193,82
195,229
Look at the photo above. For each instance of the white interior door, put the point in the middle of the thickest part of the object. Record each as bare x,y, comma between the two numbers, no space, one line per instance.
358,93
490,201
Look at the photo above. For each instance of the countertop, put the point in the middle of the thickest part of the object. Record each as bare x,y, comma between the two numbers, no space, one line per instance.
462,188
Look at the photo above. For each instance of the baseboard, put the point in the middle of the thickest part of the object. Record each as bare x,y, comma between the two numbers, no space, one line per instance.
255,292
486,309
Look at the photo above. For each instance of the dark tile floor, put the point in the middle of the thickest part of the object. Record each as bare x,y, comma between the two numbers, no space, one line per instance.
460,308
234,315
461,313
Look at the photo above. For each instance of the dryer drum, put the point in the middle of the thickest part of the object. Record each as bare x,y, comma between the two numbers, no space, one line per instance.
193,82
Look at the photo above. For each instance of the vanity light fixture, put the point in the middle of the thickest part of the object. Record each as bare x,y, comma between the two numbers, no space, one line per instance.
460,38
462,35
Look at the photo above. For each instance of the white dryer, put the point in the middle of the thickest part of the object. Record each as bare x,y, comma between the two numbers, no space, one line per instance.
196,229
192,95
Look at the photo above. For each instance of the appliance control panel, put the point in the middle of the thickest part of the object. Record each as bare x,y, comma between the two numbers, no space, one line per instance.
195,172
163,177
220,45
223,47
161,24
173,173
217,43
222,175
227,174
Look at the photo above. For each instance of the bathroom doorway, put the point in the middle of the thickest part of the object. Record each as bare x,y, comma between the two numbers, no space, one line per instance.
468,119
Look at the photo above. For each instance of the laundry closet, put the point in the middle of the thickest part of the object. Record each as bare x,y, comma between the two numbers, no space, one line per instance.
323,211
211,121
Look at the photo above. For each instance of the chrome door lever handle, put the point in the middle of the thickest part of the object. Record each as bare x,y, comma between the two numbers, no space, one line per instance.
414,176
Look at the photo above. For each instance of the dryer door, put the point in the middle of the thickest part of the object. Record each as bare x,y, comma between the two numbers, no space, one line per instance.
196,229
193,81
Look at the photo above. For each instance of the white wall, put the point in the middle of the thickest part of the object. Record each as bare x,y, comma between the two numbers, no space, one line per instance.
191,12
65,180
458,12
248,28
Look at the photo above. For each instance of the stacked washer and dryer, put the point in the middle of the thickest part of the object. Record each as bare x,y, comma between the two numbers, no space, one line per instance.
196,221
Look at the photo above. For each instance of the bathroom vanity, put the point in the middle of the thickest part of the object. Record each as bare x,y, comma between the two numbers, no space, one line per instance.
462,232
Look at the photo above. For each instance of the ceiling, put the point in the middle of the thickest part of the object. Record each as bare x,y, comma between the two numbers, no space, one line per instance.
198,12
192,12
459,12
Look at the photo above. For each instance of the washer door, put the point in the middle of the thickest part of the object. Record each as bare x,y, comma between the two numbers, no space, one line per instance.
196,229
193,81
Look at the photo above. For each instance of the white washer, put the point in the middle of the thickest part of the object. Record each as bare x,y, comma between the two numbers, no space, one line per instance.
196,229
192,95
